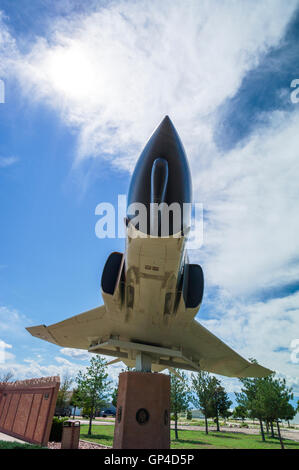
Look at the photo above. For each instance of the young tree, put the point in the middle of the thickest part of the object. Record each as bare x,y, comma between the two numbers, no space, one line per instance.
179,396
274,396
249,399
227,414
220,401
75,401
240,412
290,413
6,377
94,386
63,397
200,394
114,396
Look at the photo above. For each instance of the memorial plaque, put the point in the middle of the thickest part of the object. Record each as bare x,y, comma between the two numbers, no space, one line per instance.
27,408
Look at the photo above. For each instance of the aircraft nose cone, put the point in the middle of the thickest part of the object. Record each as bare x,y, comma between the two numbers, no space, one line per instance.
166,141
164,145
166,125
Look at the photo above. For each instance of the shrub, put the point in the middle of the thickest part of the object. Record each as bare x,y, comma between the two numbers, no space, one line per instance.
56,430
189,414
244,425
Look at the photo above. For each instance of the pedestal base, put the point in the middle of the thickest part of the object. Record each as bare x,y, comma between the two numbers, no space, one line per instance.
143,411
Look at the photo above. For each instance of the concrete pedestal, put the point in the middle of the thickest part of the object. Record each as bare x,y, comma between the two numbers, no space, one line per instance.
143,411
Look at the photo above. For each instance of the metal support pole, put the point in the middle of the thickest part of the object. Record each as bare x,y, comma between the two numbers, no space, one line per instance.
143,362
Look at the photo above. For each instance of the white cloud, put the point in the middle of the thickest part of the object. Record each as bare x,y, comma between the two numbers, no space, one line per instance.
251,195
31,368
63,361
8,48
12,323
4,354
79,354
113,74
7,161
5,345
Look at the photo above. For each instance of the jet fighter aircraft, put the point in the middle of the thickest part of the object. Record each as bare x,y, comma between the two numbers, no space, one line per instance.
151,292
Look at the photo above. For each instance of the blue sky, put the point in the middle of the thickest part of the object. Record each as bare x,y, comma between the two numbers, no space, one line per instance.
84,89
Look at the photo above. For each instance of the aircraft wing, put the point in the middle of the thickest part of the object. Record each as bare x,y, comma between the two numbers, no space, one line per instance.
216,357
75,332
197,348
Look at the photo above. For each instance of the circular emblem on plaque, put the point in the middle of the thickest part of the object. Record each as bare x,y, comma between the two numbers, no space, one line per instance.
142,416
119,411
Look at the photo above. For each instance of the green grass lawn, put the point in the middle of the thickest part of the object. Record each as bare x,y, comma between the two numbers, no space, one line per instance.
17,445
197,439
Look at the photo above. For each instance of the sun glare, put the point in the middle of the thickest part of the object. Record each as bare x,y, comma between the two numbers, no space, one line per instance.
70,71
